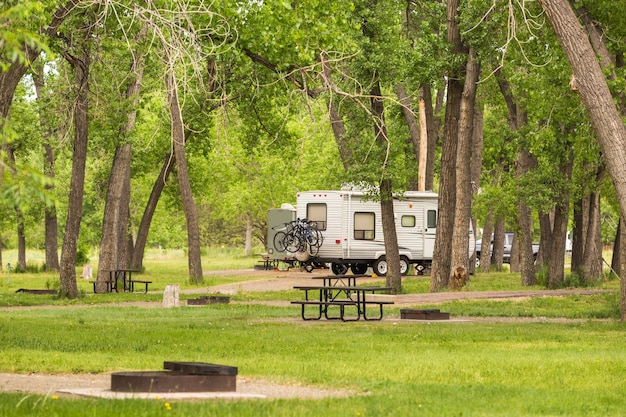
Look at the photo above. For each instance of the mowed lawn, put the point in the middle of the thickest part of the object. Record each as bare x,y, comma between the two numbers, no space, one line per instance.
570,364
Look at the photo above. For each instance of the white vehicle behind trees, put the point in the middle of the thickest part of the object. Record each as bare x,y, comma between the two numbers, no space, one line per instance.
344,229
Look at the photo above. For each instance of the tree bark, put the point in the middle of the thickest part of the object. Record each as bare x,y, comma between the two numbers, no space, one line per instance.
115,252
432,127
522,259
593,90
622,273
393,278
115,220
497,252
336,122
191,215
77,186
148,213
392,252
617,249
248,242
464,192
556,267
50,214
414,134
485,251
545,230
442,262
579,231
592,259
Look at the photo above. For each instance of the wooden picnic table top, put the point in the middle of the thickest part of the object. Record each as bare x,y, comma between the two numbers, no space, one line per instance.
341,287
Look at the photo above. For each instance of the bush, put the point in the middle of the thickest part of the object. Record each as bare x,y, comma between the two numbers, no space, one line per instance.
82,257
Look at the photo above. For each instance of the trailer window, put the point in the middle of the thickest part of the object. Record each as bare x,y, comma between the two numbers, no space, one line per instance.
431,219
364,226
407,221
316,212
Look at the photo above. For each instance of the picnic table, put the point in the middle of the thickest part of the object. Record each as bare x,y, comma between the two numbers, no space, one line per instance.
342,292
341,280
125,275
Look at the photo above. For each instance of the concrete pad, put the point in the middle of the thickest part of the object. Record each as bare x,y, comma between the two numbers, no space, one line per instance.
115,395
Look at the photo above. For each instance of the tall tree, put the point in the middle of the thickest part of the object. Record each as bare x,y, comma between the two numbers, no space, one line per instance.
80,62
116,221
464,193
595,94
442,261
51,221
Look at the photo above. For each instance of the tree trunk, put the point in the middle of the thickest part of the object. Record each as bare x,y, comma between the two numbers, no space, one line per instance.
592,260
115,220
191,215
556,267
617,249
442,261
514,258
392,252
19,220
336,122
432,128
579,231
524,221
423,161
393,278
148,213
50,215
522,259
114,243
77,185
545,236
248,243
476,169
464,192
485,251
497,253
622,273
593,90
414,134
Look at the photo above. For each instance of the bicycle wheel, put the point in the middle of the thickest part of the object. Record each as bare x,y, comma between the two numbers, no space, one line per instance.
292,243
280,241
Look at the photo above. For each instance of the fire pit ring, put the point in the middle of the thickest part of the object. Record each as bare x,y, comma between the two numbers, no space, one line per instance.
181,377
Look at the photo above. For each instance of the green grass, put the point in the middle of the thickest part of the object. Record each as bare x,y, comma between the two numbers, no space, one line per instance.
439,369
402,368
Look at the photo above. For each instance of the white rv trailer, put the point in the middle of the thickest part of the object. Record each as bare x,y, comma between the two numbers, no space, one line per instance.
351,227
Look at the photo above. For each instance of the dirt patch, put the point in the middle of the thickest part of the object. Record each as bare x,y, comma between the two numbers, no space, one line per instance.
46,384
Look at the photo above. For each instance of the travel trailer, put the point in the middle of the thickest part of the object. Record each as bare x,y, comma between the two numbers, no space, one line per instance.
344,229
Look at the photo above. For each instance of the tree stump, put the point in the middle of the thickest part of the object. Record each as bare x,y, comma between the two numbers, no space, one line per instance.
171,295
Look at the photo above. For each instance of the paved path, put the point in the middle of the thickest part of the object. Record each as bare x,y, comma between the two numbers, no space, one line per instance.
286,280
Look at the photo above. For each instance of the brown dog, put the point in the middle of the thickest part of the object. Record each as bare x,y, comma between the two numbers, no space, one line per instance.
459,278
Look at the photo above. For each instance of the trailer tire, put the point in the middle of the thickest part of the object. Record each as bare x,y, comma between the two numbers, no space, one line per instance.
404,265
338,269
358,269
381,267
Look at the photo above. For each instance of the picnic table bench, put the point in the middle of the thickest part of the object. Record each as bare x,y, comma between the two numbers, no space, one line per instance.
125,276
352,297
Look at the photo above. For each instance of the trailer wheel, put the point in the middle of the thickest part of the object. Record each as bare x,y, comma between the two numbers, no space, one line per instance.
404,265
358,269
381,267
338,269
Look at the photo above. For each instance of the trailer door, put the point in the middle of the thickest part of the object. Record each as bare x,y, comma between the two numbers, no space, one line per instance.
430,231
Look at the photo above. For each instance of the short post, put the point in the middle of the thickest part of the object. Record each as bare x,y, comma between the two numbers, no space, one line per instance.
8,273
171,295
